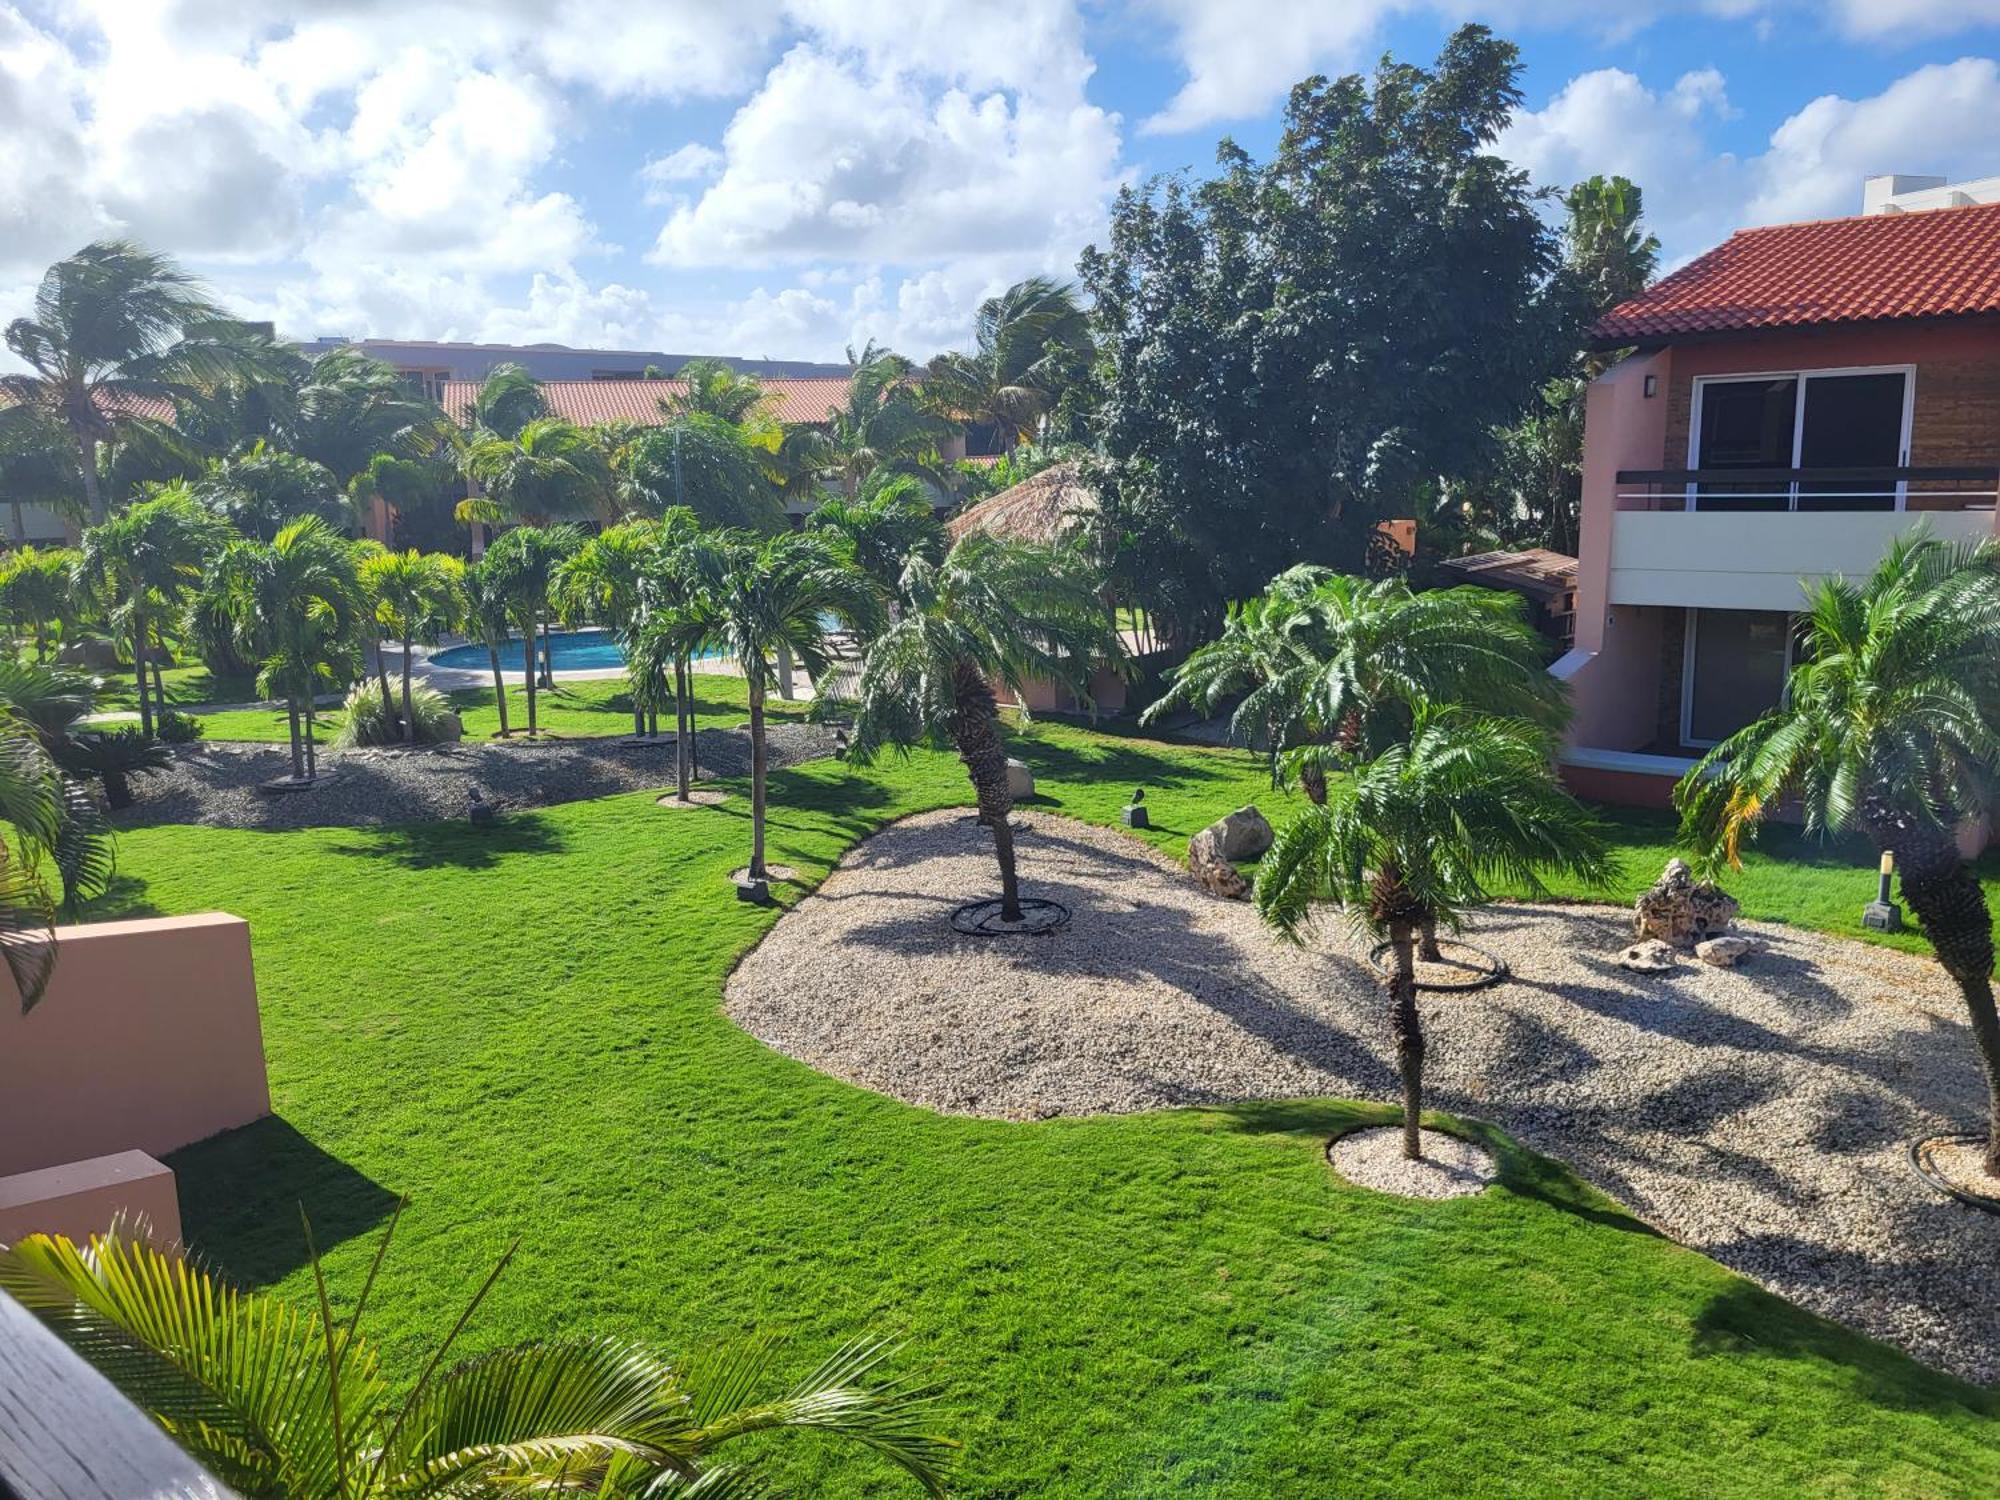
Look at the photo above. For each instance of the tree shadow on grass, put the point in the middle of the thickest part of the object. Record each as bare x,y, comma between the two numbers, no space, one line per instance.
241,1193
124,900
1744,1320
428,846
1147,767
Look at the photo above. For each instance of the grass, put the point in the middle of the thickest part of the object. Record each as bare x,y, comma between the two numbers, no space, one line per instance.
519,1031
579,709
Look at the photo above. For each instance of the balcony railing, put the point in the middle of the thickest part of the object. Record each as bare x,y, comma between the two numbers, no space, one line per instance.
1923,488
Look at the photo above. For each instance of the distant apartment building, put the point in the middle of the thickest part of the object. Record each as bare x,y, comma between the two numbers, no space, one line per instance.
1794,399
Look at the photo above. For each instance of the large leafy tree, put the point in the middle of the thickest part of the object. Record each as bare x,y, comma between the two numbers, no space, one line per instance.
296,605
995,611
1030,344
1890,728
1419,835
552,470
115,324
1294,348
294,1402
711,466
146,561
766,596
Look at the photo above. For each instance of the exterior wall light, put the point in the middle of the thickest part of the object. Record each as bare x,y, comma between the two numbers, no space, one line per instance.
1652,386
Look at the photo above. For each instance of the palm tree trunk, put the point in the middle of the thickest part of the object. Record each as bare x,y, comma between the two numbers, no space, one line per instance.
1312,780
20,519
785,688
1408,1028
528,665
694,730
975,731
683,746
1428,949
312,743
1951,909
382,679
139,666
548,657
499,685
757,781
292,725
86,452
409,716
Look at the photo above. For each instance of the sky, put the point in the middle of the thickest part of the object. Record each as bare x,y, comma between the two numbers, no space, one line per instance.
784,178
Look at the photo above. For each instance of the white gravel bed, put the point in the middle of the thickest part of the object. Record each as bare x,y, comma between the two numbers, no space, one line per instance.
1449,1167
217,783
1760,1114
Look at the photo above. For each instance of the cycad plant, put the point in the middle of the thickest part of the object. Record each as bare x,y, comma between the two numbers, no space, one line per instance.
994,612
294,1403
147,561
1891,728
763,596
1420,834
296,605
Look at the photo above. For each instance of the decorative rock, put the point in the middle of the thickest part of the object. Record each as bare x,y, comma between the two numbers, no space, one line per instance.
1650,957
481,811
1726,952
1680,910
95,653
451,728
1020,780
1212,871
1243,834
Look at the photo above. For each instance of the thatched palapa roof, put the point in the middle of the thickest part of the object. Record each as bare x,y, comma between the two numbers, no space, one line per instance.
1047,507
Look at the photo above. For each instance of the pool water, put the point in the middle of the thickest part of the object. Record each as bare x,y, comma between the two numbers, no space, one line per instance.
573,650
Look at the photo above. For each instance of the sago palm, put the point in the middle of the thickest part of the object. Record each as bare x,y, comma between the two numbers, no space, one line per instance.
1891,728
146,561
764,596
1420,834
994,612
294,1403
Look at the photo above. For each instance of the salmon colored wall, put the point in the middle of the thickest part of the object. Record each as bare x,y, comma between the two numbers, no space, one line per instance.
1107,691
147,1039
83,1198
1620,788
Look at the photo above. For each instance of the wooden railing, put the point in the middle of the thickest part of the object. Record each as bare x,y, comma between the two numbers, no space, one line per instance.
67,1434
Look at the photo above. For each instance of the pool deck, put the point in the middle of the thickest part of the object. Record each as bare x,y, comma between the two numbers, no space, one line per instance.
455,679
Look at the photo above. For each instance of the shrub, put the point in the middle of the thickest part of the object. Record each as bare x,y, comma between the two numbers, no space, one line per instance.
367,724
113,756
176,728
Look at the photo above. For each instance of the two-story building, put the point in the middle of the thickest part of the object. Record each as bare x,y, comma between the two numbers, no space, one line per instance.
1791,401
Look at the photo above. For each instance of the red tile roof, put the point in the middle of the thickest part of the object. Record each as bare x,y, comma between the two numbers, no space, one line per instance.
1936,263
588,402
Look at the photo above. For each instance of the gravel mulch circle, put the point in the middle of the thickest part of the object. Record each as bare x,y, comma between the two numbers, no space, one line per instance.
697,797
1450,1168
1760,1114
1956,1164
217,783
776,874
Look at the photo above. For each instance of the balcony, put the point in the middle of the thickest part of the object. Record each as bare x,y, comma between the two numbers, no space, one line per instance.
1746,538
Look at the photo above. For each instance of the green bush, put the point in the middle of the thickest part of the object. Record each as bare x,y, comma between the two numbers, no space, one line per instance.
176,728
367,724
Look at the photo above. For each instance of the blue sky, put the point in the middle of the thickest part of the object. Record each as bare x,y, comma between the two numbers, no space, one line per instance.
785,177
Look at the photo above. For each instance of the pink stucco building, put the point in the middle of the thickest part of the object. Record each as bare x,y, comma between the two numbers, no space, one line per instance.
1791,401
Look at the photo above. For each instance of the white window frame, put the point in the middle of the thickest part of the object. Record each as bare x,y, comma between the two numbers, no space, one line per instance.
1803,375
1691,614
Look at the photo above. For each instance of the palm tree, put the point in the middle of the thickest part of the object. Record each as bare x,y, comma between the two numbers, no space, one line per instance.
712,388
37,467
508,400
417,597
714,469
33,808
767,596
891,522
285,1401
552,470
489,614
113,325
351,407
879,424
261,488
48,706
994,611
1418,835
147,560
522,564
1030,342
602,583
1890,727
296,602
670,626
37,590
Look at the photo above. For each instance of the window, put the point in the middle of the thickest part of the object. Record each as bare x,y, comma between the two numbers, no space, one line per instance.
1737,662
1843,419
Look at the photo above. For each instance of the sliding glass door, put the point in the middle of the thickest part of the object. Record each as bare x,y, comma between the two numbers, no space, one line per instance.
1842,420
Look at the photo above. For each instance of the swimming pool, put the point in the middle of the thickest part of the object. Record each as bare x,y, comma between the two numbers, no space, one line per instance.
573,651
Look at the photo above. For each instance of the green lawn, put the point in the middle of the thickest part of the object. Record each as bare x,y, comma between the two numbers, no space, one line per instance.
519,1031
575,708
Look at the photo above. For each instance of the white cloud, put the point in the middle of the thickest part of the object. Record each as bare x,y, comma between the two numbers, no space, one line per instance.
1240,57
1900,20
691,163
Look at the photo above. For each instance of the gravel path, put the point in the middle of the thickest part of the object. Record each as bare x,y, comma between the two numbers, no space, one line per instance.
217,783
1759,1114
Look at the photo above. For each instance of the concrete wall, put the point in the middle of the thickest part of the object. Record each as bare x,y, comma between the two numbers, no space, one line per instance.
147,1039
82,1198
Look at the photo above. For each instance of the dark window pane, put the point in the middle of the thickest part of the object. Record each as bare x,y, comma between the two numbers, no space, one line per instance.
1851,422
1739,669
1746,424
